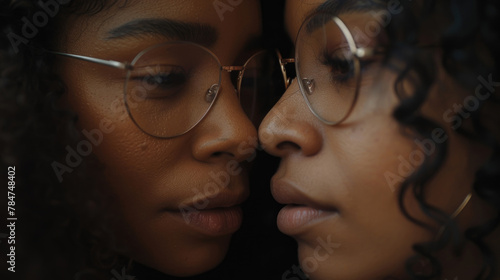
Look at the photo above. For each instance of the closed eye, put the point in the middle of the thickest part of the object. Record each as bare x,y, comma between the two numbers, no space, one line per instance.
340,64
160,81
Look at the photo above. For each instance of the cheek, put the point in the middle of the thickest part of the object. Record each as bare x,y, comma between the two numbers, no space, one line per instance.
374,236
95,97
102,118
375,98
380,159
130,161
368,150
375,155
375,158
139,174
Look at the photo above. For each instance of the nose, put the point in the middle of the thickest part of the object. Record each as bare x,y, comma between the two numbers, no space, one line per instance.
226,133
290,127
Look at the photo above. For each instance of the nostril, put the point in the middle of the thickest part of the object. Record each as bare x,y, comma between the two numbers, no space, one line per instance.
217,154
221,154
287,145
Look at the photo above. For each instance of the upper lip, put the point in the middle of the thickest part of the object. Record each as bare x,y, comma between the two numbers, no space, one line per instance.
287,192
222,199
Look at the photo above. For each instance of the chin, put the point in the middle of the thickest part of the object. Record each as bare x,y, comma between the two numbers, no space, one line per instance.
315,268
191,261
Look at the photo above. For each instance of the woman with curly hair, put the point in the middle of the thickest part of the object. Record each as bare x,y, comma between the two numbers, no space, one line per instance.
126,132
389,139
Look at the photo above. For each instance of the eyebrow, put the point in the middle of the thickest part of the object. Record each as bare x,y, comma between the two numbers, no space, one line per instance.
338,7
331,7
199,33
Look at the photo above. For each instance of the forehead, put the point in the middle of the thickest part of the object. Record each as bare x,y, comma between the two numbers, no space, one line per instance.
92,32
296,12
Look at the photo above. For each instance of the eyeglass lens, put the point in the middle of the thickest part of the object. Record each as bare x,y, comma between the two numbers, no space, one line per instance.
171,87
327,71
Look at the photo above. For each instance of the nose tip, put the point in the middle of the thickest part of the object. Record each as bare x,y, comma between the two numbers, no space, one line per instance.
290,127
226,133
224,149
281,139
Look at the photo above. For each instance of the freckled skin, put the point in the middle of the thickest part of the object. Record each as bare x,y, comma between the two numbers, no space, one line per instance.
145,174
343,166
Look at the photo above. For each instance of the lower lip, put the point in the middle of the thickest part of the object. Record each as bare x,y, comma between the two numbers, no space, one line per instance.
216,222
294,219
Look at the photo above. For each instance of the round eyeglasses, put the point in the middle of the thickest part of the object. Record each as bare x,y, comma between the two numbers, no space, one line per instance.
170,87
328,67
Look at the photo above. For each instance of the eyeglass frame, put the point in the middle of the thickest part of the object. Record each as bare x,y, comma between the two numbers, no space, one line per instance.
358,54
128,66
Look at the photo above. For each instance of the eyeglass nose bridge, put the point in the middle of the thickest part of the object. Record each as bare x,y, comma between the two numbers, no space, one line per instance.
230,69
240,70
283,62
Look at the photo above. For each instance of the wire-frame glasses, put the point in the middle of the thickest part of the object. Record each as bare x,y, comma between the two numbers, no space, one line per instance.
170,87
328,67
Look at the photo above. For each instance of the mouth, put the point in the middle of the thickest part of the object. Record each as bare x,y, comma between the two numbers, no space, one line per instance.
214,215
301,211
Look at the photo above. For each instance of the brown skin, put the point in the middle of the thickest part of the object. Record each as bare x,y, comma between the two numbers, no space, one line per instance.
343,167
144,174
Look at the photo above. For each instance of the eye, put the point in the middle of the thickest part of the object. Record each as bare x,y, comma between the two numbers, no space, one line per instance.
165,81
159,81
340,63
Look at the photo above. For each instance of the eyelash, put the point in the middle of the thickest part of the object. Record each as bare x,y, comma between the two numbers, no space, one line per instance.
165,83
337,66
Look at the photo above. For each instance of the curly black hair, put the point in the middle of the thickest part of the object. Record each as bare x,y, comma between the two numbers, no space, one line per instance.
469,41
473,25
62,232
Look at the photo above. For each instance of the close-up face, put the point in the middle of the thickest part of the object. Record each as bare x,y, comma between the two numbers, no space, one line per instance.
176,184
341,169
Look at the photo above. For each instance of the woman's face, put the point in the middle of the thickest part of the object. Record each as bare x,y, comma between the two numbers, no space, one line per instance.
340,183
177,199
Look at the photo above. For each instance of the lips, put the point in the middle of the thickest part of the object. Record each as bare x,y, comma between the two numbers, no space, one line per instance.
213,214
301,211
223,199
215,222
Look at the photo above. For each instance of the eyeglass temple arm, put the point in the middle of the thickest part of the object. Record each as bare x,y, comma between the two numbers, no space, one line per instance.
112,63
359,52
